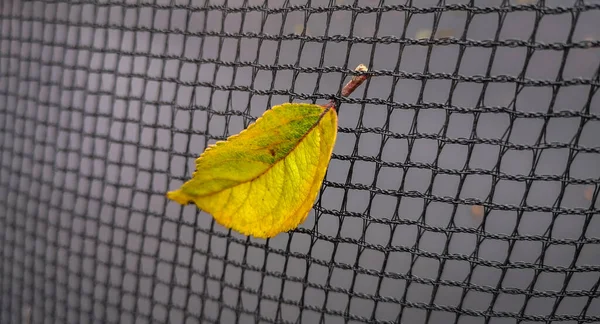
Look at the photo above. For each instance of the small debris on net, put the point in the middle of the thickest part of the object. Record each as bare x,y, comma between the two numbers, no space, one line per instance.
425,33
299,28
477,211
444,33
588,193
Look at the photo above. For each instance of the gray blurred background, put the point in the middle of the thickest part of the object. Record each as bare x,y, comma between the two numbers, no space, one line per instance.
104,107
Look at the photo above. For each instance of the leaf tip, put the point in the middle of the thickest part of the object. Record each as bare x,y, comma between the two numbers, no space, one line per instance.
179,197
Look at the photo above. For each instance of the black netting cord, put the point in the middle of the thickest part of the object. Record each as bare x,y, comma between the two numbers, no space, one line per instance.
70,254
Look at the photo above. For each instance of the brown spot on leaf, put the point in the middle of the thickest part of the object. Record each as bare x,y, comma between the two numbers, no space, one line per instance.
272,152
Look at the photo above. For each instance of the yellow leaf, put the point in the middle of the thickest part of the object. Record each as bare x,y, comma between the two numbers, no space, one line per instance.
264,180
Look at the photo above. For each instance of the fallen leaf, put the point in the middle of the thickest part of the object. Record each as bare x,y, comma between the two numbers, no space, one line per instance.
264,180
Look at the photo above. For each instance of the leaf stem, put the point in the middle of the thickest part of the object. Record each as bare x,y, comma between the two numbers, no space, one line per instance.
354,83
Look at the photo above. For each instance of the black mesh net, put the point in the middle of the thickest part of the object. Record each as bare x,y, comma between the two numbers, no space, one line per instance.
463,186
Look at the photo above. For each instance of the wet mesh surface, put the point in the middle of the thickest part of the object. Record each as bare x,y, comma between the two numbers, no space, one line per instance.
463,187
